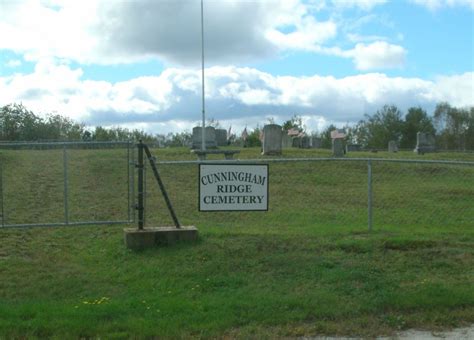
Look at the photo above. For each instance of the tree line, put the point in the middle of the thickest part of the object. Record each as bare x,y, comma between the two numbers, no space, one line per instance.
452,127
17,123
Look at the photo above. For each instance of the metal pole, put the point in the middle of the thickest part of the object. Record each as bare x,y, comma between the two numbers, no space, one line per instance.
162,187
203,134
134,211
2,216
140,185
369,193
129,182
66,194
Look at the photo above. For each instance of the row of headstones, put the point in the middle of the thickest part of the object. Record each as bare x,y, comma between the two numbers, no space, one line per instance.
274,139
214,137
424,143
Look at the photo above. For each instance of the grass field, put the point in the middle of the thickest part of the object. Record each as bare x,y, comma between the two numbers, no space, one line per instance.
308,266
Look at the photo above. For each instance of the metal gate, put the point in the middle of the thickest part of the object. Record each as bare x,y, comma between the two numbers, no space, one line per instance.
66,183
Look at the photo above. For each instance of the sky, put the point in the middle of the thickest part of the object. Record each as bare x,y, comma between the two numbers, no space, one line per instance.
137,64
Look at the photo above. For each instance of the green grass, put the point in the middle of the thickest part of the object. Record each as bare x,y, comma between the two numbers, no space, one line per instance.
308,266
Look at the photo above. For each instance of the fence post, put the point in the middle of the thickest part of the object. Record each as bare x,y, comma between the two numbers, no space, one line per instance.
369,193
2,216
140,167
66,194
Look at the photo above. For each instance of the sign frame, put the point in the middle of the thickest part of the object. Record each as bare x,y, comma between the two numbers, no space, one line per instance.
234,164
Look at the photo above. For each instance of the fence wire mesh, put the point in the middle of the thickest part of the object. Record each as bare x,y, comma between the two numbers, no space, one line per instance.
335,193
66,183
94,183
423,194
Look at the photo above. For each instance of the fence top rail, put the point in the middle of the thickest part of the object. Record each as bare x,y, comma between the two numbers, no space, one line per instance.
85,143
286,160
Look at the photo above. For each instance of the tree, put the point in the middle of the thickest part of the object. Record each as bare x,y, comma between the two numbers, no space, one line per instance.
18,123
178,139
294,123
385,125
213,123
253,138
454,126
416,120
326,140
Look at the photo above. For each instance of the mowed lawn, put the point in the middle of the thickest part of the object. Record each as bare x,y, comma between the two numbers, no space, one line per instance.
309,266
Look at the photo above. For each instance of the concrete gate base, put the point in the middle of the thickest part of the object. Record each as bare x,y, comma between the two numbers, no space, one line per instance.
152,237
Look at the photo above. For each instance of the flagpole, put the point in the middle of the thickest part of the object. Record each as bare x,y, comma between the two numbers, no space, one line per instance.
203,134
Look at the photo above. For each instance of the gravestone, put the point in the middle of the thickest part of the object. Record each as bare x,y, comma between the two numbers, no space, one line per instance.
286,141
272,136
353,147
221,137
392,146
424,143
316,142
210,138
305,142
296,143
338,147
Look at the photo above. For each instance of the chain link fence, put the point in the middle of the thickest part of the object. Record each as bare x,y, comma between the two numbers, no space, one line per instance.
360,194
69,183
47,184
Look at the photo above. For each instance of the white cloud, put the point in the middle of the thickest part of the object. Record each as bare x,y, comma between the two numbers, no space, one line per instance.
434,5
362,4
111,32
308,34
377,55
13,63
237,96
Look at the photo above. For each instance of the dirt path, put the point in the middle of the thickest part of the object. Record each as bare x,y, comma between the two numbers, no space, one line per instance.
465,333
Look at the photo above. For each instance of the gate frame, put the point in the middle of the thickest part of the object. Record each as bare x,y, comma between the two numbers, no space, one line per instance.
129,145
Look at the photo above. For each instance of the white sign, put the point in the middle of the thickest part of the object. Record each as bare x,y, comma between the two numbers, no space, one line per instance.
235,187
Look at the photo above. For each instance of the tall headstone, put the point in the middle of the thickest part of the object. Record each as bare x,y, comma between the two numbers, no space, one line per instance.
221,137
424,143
296,143
286,141
210,138
316,142
305,142
392,146
338,147
272,136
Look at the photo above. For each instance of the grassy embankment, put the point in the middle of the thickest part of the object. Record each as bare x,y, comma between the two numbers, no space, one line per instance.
308,266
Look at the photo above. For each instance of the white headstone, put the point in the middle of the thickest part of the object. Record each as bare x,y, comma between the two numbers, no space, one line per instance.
424,143
392,146
210,138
